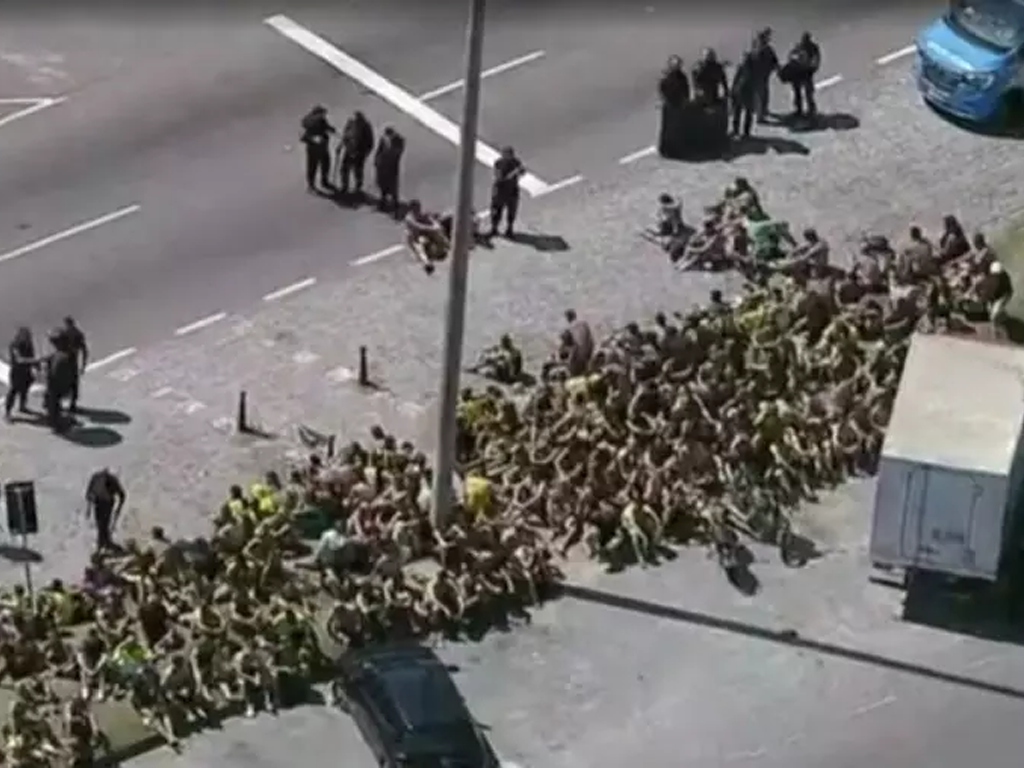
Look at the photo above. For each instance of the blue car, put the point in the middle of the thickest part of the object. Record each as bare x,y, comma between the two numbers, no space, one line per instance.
970,61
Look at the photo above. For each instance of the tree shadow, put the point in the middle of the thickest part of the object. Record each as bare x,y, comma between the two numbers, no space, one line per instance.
91,436
787,637
104,416
541,242
16,553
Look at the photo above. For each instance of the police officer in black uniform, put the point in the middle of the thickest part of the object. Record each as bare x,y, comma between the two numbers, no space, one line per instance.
505,191
356,147
61,373
744,95
21,356
387,161
709,82
805,59
77,346
105,497
766,64
316,133
674,86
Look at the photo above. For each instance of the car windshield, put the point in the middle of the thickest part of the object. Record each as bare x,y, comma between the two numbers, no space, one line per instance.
424,695
998,24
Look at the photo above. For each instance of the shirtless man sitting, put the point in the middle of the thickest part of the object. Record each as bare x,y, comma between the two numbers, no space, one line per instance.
425,236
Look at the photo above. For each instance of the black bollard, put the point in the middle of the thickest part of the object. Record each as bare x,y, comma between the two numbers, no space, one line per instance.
364,368
242,420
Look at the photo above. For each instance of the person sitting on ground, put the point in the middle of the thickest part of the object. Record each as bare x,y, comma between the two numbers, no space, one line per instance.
705,250
503,362
425,236
668,223
953,242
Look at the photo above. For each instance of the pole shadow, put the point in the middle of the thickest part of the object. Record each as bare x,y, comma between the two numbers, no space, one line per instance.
16,553
788,637
91,436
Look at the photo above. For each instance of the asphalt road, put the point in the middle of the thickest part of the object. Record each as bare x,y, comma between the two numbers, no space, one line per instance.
193,120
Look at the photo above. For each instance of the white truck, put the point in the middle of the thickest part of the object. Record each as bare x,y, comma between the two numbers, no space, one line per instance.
949,479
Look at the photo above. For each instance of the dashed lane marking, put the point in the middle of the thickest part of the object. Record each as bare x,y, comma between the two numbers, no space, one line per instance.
288,290
64,234
31,106
560,185
883,702
199,325
640,154
110,359
828,82
444,90
305,357
751,755
889,58
392,93
382,254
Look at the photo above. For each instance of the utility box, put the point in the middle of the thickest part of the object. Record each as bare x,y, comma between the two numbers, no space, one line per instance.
949,480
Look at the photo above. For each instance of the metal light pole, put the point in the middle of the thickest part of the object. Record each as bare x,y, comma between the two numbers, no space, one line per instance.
458,276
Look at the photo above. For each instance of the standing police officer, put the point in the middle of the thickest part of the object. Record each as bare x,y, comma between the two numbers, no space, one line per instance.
61,375
104,497
387,162
78,348
505,191
744,95
805,59
709,81
21,356
316,133
674,86
766,64
356,146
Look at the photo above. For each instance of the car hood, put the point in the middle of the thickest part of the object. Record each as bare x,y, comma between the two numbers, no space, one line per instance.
939,41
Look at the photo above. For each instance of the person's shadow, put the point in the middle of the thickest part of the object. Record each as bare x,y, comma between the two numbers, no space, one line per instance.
762,145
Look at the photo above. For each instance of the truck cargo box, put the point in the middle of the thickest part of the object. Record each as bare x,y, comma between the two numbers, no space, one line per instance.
950,473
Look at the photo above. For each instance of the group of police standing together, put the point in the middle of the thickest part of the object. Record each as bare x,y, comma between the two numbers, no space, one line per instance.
61,371
748,95
354,149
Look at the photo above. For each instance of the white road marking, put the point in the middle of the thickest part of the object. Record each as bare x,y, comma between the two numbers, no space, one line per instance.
563,184
198,325
124,374
389,251
104,361
191,407
828,82
33,105
78,229
632,157
162,392
305,357
444,90
288,290
884,702
889,58
983,661
387,90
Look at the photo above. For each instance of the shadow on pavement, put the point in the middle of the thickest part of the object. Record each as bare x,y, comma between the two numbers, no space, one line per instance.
18,554
835,121
982,611
104,416
786,637
762,145
540,242
92,437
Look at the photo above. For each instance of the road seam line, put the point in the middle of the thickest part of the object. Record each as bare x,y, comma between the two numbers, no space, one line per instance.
78,229
874,705
198,325
113,358
444,90
288,290
892,56
392,93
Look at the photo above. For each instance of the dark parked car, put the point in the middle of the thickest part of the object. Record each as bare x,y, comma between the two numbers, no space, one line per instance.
408,709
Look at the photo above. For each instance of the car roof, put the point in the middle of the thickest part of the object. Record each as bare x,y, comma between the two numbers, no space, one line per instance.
392,653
